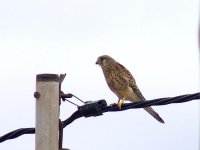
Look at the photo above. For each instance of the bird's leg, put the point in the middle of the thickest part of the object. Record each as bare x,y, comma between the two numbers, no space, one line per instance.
122,102
118,102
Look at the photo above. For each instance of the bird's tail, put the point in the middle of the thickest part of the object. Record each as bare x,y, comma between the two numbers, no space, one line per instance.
154,114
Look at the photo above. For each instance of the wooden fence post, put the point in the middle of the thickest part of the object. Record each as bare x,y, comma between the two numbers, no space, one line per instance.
47,112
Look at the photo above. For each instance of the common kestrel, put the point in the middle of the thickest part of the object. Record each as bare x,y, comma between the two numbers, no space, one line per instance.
122,83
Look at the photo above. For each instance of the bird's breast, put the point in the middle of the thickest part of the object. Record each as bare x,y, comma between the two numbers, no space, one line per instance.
118,84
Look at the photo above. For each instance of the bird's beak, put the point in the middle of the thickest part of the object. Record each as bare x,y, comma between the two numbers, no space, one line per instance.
97,62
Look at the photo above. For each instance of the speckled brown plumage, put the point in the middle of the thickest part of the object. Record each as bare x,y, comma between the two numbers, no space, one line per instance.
122,83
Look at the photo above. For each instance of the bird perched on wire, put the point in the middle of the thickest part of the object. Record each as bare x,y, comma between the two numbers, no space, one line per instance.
122,83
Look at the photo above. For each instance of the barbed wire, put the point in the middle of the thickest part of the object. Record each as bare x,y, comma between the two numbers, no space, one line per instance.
97,108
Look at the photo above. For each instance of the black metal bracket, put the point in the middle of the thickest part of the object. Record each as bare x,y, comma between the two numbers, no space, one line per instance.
93,108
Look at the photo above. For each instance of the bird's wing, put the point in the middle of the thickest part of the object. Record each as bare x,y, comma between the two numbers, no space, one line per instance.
131,81
137,92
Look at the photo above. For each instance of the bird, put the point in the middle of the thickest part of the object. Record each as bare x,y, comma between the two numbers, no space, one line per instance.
122,83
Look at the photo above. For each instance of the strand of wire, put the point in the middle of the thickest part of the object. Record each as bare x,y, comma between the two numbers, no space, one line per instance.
78,114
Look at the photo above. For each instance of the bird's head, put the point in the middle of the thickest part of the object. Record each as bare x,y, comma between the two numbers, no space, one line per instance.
104,60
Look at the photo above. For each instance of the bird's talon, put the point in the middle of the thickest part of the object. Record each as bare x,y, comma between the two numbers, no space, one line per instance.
119,105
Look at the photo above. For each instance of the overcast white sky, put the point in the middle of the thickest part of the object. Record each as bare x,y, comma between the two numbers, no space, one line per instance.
155,39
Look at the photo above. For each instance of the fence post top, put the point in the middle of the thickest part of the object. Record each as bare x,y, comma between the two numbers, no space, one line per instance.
47,77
